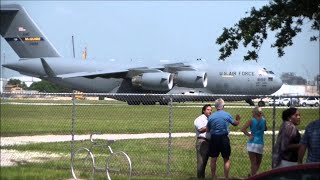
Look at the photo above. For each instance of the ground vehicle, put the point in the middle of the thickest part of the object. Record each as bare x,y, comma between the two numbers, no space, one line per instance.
284,102
276,102
304,171
79,95
84,164
289,102
310,101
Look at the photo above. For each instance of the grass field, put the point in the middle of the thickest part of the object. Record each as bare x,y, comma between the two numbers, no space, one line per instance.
149,156
57,119
149,159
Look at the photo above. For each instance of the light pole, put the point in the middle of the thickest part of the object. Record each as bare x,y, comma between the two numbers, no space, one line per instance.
2,69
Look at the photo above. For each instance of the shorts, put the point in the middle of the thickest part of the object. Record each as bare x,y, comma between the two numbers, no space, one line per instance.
220,144
256,148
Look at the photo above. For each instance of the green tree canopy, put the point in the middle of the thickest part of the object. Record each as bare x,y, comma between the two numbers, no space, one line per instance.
283,16
17,82
48,87
292,79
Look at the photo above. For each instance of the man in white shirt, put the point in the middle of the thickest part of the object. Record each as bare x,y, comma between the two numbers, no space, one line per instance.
202,143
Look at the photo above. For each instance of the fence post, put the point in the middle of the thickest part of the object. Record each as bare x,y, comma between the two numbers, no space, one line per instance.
273,128
170,137
73,122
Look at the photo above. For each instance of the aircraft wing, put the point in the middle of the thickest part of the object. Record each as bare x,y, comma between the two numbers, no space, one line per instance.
174,67
92,75
128,73
109,74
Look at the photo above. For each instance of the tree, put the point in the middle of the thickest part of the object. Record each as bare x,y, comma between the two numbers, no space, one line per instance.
48,87
292,79
17,82
284,16
317,80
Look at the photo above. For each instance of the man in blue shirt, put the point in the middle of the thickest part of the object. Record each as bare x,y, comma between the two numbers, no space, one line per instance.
310,140
218,126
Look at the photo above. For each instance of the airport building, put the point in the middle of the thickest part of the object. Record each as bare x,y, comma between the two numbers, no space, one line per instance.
297,90
3,82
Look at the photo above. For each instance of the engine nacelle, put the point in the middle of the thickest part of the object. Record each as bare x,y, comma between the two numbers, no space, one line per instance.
158,81
191,79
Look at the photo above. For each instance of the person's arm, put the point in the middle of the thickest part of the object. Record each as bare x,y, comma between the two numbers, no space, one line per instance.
265,125
293,146
203,129
289,133
200,126
244,130
302,151
304,142
208,126
237,120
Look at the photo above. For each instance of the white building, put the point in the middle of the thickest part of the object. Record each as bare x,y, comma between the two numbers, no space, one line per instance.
3,82
296,90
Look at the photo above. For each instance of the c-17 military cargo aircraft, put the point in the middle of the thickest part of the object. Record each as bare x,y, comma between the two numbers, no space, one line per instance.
39,58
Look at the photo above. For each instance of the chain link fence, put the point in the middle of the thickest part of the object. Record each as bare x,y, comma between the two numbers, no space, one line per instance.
40,131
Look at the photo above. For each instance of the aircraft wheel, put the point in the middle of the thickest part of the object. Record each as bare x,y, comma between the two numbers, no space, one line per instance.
250,102
163,102
133,102
261,104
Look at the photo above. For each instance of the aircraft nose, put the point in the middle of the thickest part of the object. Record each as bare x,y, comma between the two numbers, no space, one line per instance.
278,83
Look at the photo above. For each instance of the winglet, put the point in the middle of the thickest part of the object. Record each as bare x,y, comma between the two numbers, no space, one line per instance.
47,68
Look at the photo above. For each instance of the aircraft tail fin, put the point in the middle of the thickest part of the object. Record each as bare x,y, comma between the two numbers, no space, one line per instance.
23,35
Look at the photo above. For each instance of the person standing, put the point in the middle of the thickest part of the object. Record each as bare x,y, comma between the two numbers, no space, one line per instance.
218,126
255,143
310,140
202,142
287,146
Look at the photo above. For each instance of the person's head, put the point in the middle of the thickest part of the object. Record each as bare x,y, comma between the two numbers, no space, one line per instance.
291,114
219,104
257,112
206,110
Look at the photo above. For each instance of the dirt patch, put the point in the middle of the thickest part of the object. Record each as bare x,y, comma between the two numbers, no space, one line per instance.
14,157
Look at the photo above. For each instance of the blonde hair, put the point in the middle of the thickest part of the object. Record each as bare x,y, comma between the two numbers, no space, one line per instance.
219,104
257,110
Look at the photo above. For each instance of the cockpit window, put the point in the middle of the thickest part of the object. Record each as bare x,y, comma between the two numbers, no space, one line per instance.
264,71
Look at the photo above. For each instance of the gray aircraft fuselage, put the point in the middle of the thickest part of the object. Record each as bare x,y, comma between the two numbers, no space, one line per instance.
39,58
223,78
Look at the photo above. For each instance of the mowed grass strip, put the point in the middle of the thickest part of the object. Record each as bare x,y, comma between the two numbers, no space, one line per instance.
43,119
149,159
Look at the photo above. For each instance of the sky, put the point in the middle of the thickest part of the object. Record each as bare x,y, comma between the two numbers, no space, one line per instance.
158,30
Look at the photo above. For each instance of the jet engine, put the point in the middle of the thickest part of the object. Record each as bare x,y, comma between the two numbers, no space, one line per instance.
191,79
157,81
